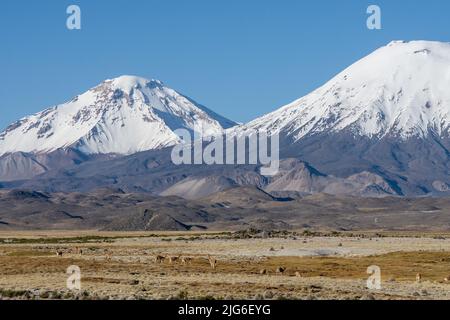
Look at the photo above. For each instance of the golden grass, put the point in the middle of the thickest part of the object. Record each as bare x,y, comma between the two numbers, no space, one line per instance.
132,269
401,266
30,253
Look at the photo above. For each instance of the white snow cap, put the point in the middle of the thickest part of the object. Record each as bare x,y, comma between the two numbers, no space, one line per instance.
402,89
128,83
124,115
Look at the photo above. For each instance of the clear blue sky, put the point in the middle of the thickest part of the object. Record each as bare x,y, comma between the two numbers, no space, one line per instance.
241,58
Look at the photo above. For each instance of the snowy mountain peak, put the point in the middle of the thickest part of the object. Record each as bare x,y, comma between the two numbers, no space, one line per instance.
129,83
399,90
124,115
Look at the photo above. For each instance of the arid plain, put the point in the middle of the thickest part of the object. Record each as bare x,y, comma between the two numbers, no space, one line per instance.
249,265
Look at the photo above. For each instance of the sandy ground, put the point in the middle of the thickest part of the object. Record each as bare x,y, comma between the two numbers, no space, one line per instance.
122,266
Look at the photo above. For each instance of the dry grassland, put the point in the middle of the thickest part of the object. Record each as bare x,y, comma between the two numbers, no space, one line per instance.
122,266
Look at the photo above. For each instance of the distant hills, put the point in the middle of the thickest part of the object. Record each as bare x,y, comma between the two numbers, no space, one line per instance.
238,208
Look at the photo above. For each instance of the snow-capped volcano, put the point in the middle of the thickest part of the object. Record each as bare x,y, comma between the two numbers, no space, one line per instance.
123,115
387,115
401,90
